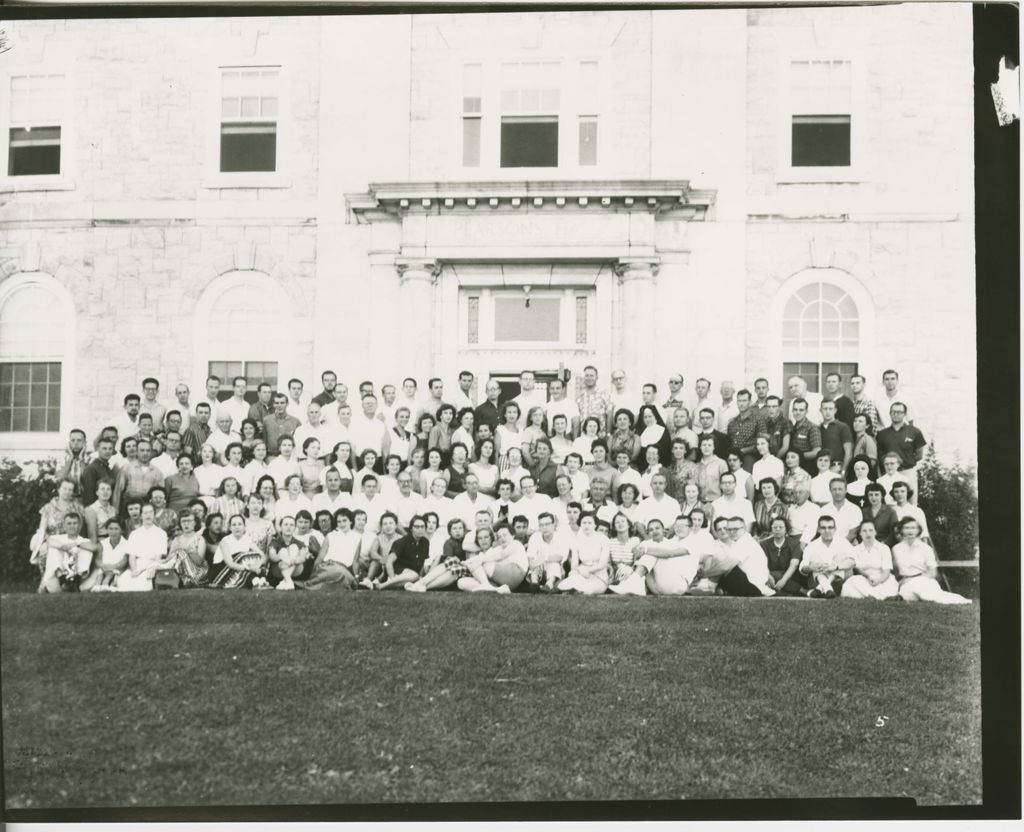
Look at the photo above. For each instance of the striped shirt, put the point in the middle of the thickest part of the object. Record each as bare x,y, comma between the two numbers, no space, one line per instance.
622,552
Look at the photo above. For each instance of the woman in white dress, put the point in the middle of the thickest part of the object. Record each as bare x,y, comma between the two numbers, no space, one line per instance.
485,469
507,435
872,567
388,483
437,502
433,470
229,499
147,552
561,441
336,563
652,466
536,428
901,494
256,468
340,461
402,440
917,568
233,465
591,558
210,474
513,470
291,501
745,485
464,432
583,444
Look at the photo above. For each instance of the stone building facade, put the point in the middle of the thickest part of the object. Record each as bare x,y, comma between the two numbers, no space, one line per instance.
490,192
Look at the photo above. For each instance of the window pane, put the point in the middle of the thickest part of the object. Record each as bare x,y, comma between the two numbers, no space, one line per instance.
529,143
34,152
268,107
250,107
581,320
807,371
515,321
30,396
588,141
471,142
473,328
248,147
821,141
229,108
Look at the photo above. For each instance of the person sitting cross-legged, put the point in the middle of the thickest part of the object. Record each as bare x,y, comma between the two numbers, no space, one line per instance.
501,564
872,566
827,560
590,558
451,565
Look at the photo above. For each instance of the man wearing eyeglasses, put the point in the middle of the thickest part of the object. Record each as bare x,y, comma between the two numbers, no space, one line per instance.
407,504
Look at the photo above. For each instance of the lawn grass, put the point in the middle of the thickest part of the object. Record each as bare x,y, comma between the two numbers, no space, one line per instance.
196,698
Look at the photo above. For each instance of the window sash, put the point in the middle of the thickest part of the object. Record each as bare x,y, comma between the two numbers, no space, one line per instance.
255,372
30,396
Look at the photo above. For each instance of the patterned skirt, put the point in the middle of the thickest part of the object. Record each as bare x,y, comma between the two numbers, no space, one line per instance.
191,574
456,567
233,579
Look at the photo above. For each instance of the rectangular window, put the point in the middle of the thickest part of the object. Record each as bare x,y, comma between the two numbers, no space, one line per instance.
814,373
255,372
588,113
30,396
581,320
821,95
248,119
473,309
530,102
527,319
472,113
36,117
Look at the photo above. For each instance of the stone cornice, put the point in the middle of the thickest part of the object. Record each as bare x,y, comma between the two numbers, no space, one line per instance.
391,200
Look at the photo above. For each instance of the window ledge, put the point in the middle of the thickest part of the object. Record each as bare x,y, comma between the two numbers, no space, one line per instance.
45,443
36,183
819,176
225,181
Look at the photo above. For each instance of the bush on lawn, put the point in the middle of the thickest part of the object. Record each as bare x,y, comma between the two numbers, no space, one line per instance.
949,497
23,491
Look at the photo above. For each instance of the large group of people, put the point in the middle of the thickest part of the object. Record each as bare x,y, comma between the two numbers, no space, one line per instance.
747,493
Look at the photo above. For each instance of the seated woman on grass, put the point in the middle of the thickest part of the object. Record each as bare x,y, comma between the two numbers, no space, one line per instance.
501,564
872,567
113,556
188,551
590,560
287,553
917,568
238,559
451,566
404,564
147,552
783,553
339,553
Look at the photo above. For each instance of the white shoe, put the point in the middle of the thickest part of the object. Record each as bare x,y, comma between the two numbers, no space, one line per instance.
366,582
633,585
504,590
415,586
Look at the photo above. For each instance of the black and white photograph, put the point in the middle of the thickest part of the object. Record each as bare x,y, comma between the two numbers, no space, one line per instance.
550,407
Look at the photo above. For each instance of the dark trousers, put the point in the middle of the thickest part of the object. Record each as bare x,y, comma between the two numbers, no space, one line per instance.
735,582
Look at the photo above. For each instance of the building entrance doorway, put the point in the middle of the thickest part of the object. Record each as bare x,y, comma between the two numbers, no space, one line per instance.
509,382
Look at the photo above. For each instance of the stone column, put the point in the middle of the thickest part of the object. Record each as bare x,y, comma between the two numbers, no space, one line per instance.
417,277
639,330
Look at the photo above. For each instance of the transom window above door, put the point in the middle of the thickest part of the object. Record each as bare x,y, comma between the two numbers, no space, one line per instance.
509,318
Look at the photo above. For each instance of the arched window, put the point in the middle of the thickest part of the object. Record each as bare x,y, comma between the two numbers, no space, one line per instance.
36,345
244,328
821,334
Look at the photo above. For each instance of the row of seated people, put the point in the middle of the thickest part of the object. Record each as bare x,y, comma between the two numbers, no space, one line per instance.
587,555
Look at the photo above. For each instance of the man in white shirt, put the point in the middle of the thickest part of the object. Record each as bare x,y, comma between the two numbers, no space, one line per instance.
367,432
728,409
127,423
336,429
181,394
753,560
803,514
648,397
561,405
371,502
703,400
663,566
432,401
407,504
212,394
846,517
678,397
798,390
546,550
659,506
333,497
167,462
237,407
312,428
222,436
529,397
890,395
461,397
731,505
828,560
388,405
329,411
532,504
621,397
149,403
297,400
599,502
469,502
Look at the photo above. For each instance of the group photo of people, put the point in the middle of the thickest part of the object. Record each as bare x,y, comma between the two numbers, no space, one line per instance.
669,491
